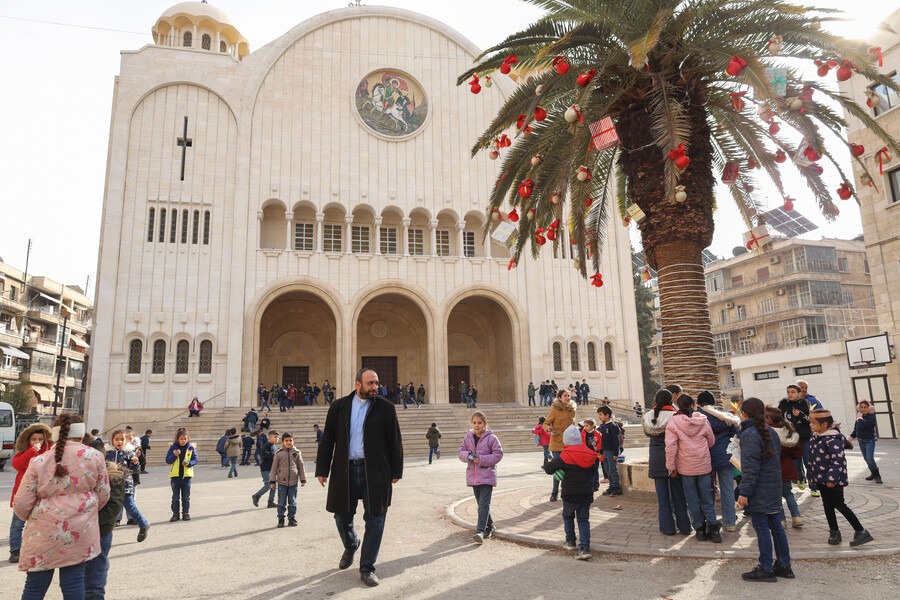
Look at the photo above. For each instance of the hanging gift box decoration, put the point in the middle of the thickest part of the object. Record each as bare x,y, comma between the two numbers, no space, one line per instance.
730,172
800,159
597,279
757,237
774,45
844,191
505,233
735,66
572,114
634,212
737,100
777,76
561,64
876,54
508,62
540,113
525,188
681,159
585,78
475,87
583,173
603,134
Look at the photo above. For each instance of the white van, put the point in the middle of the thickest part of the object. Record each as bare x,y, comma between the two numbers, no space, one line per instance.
7,433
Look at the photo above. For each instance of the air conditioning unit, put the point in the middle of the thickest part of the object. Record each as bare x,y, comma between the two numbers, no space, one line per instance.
780,292
751,332
774,260
729,305
27,338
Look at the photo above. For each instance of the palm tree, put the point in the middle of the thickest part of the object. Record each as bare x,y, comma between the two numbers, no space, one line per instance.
674,76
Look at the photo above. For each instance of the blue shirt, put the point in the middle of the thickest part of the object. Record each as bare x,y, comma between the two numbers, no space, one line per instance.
358,411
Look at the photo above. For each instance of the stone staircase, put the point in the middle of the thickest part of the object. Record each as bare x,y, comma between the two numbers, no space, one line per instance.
512,424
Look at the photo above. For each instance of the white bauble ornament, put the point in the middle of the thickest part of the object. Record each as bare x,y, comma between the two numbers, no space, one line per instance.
554,198
582,174
539,90
865,179
536,160
572,113
494,155
495,216
795,104
680,194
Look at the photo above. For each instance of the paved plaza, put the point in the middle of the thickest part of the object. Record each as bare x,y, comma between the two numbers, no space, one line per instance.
232,550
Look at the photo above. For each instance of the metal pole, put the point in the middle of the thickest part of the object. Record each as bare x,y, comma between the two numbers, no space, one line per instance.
60,359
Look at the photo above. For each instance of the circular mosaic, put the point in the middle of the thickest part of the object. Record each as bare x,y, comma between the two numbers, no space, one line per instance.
379,329
391,103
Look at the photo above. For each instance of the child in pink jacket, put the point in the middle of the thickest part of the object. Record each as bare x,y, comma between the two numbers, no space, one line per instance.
688,440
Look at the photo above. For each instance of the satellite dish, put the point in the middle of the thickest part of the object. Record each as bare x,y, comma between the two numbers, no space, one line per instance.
738,250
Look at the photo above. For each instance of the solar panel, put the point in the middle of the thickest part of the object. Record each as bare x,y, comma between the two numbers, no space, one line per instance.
708,257
788,222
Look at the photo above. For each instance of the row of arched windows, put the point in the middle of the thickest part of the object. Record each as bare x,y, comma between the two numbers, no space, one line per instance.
158,357
205,42
166,229
575,356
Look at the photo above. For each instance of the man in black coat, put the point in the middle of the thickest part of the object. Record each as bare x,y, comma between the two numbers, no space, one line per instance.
362,451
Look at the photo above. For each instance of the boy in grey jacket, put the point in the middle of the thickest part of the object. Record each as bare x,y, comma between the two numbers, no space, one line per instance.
287,472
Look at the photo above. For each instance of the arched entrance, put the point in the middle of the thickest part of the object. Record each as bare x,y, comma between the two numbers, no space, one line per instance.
297,341
480,346
392,338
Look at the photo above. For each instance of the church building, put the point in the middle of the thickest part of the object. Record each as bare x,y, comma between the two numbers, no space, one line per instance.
293,213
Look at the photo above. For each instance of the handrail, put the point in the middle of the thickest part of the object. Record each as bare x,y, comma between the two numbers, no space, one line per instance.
172,418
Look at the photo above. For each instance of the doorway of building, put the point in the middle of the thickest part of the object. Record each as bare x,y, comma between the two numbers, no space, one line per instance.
875,389
294,375
457,375
385,367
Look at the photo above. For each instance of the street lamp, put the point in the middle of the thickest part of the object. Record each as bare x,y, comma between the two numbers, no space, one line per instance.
60,358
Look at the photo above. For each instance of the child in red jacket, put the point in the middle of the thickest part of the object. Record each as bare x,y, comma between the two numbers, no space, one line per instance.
33,441
573,467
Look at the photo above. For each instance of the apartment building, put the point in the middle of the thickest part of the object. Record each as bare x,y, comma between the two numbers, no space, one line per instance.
44,324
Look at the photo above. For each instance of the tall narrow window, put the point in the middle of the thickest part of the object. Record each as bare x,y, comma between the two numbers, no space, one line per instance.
442,238
557,356
206,217
205,364
592,356
608,355
333,239
173,226
206,42
182,351
416,242
184,226
469,244
195,231
573,356
188,39
360,239
389,240
151,223
159,357
162,225
135,349
223,47
303,237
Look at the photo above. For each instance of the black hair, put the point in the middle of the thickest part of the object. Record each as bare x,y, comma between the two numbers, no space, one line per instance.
663,398
685,404
674,388
541,420
816,414
64,421
181,432
361,372
605,410
756,410
777,418
795,386
706,398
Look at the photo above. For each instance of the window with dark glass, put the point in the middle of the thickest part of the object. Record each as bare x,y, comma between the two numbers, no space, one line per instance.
762,376
557,356
223,47
188,39
592,356
162,225
135,349
173,226
573,356
608,356
182,352
205,363
151,223
184,226
889,98
894,178
206,42
159,357
206,218
195,232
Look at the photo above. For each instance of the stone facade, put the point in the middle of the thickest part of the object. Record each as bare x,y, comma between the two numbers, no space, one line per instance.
880,204
301,242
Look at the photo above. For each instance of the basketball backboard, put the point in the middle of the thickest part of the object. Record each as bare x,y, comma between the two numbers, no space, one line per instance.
872,351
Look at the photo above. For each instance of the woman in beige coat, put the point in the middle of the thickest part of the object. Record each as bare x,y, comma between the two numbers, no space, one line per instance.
561,415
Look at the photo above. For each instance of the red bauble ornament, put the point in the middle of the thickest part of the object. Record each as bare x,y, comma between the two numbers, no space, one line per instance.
844,192
735,66
588,202
818,169
508,62
751,163
845,71
682,162
513,216
561,64
774,128
540,113
737,100
551,234
585,78
788,204
475,87
597,280
811,154
520,121
857,150
822,71
525,188
780,156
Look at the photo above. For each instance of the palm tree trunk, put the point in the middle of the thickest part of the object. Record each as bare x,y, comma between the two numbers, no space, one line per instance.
687,346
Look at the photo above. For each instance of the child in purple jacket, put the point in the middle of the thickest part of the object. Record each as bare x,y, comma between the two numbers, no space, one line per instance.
481,452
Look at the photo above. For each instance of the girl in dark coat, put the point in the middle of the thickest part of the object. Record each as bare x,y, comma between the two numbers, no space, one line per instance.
760,492
865,431
669,493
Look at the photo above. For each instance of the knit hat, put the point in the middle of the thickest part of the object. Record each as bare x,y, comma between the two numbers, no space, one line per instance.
705,399
571,436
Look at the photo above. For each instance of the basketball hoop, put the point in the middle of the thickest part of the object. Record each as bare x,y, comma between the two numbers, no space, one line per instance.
863,366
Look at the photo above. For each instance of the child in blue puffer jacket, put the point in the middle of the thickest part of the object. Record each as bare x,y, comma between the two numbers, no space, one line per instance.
828,470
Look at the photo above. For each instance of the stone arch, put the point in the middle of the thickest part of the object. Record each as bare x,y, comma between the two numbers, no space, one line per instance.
272,225
363,232
303,226
419,233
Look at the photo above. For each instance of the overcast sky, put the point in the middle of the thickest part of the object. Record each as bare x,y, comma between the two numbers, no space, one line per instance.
59,61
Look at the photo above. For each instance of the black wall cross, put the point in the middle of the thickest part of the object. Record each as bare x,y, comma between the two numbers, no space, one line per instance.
185,142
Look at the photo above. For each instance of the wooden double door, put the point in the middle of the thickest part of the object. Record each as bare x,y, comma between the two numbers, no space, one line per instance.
457,375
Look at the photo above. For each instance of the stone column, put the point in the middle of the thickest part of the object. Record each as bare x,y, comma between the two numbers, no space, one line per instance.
378,235
259,221
405,236
432,225
289,220
194,42
320,232
459,238
348,243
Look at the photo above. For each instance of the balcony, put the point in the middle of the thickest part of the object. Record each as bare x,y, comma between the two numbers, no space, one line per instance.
42,344
13,306
46,313
10,338
752,285
38,378
858,322
11,372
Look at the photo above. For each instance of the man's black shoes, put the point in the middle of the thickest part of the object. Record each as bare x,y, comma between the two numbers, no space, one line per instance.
369,579
347,559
